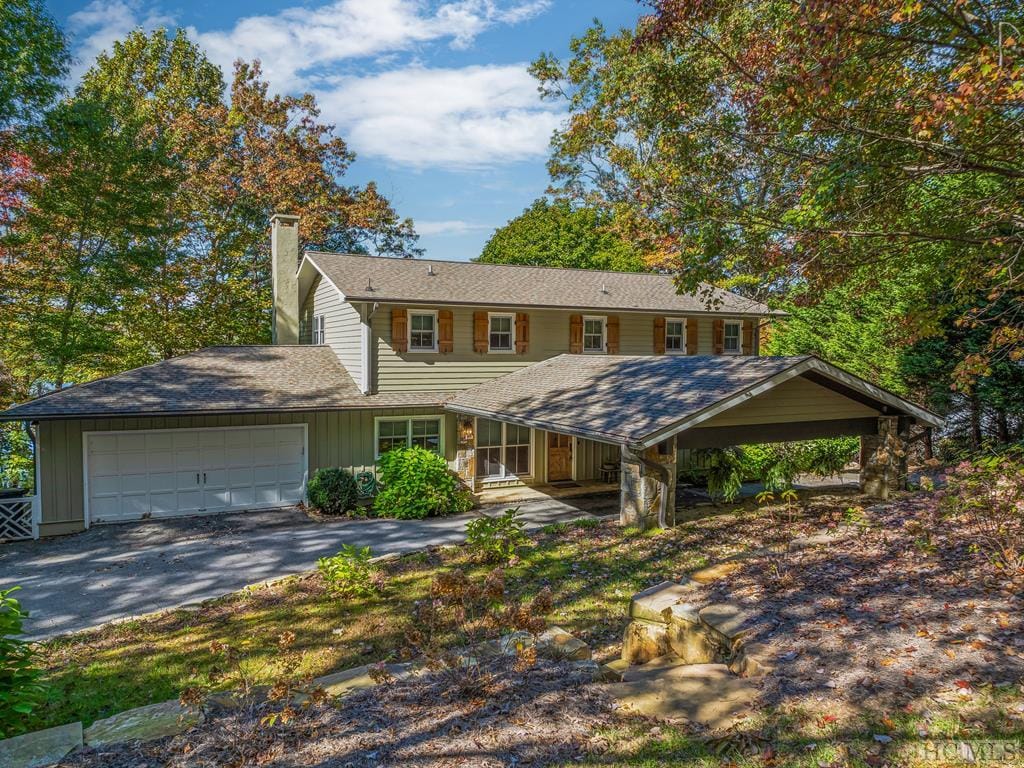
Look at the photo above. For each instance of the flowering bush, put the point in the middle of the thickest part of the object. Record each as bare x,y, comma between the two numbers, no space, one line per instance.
416,483
987,495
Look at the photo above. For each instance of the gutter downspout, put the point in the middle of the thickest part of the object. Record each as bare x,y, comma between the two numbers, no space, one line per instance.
366,313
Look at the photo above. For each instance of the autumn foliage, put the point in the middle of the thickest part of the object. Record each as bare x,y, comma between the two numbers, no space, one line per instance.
773,144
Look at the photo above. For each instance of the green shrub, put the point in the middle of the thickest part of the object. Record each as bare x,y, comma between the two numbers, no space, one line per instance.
350,572
416,483
496,539
20,690
725,473
775,465
332,491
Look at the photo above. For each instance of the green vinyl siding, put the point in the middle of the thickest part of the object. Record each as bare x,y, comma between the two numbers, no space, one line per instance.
463,368
795,400
336,439
342,325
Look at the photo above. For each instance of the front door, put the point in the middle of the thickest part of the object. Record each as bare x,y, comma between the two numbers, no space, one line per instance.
559,457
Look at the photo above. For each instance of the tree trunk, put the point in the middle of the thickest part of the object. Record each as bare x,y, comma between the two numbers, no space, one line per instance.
928,448
976,436
1002,427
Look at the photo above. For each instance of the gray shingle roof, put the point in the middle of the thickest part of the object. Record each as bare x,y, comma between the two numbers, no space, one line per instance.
617,398
407,281
220,380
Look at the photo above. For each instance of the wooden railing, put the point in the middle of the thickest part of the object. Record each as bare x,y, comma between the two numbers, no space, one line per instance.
19,518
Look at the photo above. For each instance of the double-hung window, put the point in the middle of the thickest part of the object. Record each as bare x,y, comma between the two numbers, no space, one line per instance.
675,335
502,450
319,332
424,432
422,331
594,334
500,332
731,342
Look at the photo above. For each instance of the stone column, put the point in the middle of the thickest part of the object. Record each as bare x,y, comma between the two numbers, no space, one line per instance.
648,479
465,451
883,459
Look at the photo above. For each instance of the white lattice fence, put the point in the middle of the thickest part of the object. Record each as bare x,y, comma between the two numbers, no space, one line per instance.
18,518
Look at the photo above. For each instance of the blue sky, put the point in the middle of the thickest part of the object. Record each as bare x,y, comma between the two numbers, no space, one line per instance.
433,96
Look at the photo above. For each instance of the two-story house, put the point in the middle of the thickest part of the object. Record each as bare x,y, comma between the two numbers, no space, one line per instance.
516,375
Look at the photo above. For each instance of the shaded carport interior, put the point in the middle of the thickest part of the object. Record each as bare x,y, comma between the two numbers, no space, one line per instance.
653,406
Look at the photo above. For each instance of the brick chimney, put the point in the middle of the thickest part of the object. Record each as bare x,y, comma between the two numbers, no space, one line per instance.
284,264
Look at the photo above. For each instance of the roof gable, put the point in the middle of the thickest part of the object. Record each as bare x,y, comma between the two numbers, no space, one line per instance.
642,400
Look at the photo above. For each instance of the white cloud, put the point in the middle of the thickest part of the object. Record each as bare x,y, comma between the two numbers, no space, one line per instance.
477,116
449,227
295,44
96,27
473,117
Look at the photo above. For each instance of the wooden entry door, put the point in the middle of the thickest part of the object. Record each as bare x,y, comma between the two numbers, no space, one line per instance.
559,457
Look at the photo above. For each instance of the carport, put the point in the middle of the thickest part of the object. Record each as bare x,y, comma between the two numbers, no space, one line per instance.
650,407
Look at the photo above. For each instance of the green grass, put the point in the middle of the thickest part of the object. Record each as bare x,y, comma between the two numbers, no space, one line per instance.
592,567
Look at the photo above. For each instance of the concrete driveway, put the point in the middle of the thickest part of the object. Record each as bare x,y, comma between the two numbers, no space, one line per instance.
115,571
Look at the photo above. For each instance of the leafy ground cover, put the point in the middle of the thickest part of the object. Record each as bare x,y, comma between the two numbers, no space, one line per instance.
898,637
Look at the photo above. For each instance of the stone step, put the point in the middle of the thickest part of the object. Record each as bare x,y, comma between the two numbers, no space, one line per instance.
702,693
154,721
34,750
651,603
731,621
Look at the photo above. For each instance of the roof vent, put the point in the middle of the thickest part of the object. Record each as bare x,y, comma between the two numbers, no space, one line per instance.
604,288
430,269
369,284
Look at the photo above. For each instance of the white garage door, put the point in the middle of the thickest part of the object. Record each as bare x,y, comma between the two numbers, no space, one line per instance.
169,472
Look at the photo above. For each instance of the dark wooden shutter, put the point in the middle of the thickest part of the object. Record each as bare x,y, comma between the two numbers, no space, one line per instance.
445,332
480,332
691,335
575,334
612,329
399,330
522,333
659,335
718,336
748,337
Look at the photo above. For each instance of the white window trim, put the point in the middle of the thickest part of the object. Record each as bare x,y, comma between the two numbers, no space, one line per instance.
504,445
439,418
604,335
437,331
739,338
319,329
675,351
512,333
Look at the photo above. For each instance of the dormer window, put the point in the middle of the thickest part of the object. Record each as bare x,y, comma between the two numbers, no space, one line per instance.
594,334
731,343
318,327
500,332
422,331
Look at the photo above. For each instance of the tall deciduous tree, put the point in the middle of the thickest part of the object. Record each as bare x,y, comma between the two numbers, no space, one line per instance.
96,212
556,234
240,159
33,59
767,141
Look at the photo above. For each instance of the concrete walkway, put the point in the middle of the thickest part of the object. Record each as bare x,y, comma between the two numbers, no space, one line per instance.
115,571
